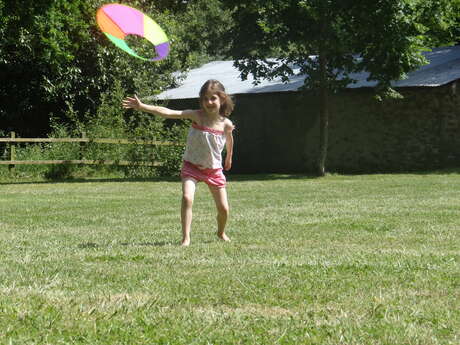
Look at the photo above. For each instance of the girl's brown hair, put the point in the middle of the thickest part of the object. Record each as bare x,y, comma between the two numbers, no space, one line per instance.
226,102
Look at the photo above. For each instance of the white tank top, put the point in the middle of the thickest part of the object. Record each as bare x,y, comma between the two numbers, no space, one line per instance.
204,147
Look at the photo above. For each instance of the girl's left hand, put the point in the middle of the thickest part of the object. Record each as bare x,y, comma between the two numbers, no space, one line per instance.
228,163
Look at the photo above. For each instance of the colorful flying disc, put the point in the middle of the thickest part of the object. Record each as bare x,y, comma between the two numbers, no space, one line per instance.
117,21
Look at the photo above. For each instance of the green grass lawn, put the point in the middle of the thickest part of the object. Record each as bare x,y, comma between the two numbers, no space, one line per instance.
371,259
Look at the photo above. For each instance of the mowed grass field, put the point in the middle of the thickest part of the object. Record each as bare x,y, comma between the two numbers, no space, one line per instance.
370,259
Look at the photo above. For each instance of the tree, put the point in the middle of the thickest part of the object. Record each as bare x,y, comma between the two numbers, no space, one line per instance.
327,40
54,60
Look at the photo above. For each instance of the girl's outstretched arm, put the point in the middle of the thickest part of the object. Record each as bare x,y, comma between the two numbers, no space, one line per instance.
135,103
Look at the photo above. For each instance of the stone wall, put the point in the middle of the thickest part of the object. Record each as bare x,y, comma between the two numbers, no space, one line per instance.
278,132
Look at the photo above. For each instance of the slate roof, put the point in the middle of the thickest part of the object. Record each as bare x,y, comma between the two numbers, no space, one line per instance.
443,68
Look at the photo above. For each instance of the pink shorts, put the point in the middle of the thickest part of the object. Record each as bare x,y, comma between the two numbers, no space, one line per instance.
212,177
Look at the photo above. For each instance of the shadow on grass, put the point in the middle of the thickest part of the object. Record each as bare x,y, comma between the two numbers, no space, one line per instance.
93,245
150,244
450,171
93,180
230,177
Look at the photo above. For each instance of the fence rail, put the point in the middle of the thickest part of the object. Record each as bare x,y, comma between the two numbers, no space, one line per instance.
12,140
85,140
81,161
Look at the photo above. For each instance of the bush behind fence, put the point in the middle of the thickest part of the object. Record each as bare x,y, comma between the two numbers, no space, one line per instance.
58,158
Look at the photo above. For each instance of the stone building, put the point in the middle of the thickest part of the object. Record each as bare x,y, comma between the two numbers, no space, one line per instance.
277,125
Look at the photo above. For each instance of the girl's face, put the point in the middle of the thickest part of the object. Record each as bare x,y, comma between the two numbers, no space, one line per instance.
211,102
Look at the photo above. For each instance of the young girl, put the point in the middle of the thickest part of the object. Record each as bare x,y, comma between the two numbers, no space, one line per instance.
211,130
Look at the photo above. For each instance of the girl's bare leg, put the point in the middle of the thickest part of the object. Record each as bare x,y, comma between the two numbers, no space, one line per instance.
223,209
188,195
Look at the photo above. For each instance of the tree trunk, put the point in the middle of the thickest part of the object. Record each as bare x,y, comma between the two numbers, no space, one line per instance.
323,116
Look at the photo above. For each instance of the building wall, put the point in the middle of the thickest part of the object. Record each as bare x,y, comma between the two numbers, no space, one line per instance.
278,132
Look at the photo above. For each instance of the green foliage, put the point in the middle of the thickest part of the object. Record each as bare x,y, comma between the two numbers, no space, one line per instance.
56,59
440,21
42,57
207,23
389,36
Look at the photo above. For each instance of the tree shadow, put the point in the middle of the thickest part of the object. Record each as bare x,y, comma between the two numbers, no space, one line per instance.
150,244
233,177
94,245
95,180
442,171
230,177
269,177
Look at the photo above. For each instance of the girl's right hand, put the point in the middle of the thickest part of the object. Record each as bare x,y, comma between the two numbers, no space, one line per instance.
130,102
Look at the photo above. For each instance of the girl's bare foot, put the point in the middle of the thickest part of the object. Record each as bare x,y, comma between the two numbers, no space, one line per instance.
185,242
223,237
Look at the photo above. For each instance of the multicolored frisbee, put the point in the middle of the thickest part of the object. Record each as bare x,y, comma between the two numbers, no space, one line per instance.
117,21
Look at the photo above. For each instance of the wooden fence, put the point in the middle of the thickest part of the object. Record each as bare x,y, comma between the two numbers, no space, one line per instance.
12,141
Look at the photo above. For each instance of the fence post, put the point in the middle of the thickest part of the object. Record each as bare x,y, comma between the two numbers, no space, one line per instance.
82,146
11,167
